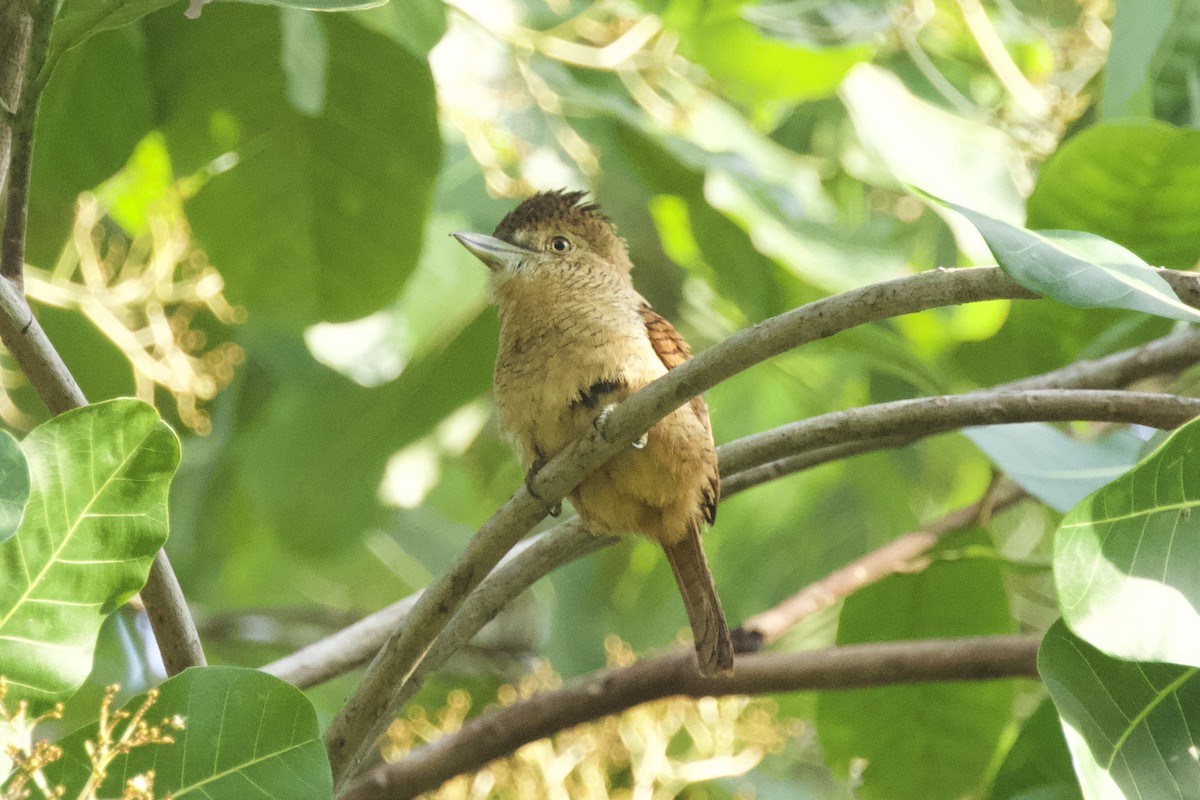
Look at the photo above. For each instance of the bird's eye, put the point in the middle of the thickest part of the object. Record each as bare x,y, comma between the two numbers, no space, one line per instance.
561,244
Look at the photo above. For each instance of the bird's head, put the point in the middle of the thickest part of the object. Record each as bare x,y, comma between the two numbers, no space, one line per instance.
552,234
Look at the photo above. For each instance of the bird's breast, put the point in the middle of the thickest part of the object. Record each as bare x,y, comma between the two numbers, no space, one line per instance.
551,357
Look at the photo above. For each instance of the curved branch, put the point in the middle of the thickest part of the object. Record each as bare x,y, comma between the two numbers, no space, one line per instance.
527,563
349,737
1168,354
501,731
926,416
354,645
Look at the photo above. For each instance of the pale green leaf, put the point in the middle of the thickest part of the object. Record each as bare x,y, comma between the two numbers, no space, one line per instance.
1124,558
951,729
1052,466
247,736
14,485
1078,269
96,516
921,145
1135,182
1133,727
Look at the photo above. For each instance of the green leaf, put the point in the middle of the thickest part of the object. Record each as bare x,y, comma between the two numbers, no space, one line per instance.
79,20
1151,62
322,217
312,415
247,735
1137,184
751,67
71,158
1052,466
924,146
1038,764
14,485
416,24
952,729
97,514
1078,269
1129,725
1124,558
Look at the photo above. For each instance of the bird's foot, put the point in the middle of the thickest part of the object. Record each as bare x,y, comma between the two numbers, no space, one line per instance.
553,509
600,423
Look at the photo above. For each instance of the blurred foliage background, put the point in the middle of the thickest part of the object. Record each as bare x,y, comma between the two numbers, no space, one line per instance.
279,184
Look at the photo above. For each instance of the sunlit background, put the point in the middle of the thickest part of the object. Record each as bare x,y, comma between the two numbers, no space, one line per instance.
244,218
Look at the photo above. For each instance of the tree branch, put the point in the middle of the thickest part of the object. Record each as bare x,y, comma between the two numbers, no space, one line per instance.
926,416
351,733
20,156
1168,354
354,646
898,554
23,337
15,28
501,731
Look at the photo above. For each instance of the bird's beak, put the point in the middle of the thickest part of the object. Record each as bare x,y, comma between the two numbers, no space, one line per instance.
497,254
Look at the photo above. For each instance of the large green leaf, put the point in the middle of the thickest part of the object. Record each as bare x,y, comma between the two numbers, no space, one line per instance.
14,485
1052,466
323,215
1078,269
81,142
1152,65
751,67
1133,727
79,20
958,159
1038,764
247,736
97,514
1137,184
952,729
1125,558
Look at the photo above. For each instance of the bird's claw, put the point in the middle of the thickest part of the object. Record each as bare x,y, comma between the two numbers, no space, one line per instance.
553,509
600,423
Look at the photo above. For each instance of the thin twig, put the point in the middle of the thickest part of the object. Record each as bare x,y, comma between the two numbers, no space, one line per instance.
767,626
1024,93
351,733
354,646
20,158
501,731
172,623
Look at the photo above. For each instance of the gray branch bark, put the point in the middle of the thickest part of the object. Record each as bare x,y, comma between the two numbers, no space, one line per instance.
501,731
349,737
926,416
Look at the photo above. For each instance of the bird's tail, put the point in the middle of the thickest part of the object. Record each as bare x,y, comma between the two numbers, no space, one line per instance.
714,648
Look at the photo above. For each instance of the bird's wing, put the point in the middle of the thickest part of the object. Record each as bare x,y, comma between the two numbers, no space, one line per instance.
673,350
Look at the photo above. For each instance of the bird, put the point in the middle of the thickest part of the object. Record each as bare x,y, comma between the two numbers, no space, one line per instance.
576,339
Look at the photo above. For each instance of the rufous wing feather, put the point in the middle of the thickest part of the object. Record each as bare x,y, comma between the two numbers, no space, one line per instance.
714,648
